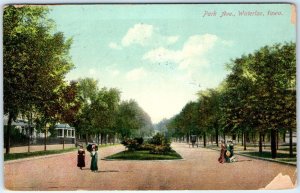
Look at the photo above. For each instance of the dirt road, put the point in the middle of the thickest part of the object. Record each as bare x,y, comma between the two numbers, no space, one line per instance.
199,170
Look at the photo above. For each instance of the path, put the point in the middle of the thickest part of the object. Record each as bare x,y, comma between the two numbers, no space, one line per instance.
198,171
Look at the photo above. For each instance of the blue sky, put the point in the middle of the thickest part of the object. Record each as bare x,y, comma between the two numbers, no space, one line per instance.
162,55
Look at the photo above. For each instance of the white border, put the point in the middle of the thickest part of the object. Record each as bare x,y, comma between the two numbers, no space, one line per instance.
4,2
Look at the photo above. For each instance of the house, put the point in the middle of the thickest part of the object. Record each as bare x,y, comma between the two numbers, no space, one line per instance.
65,130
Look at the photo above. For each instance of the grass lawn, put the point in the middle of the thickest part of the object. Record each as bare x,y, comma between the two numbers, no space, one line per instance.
144,155
280,156
13,156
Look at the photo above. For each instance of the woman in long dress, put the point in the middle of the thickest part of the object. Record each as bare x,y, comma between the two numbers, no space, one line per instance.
94,155
81,157
222,153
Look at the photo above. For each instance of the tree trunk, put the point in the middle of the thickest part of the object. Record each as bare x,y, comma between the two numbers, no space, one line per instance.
86,139
260,142
277,139
245,141
45,140
98,139
187,138
273,143
102,138
283,137
29,132
217,136
264,140
242,138
238,138
224,136
253,139
204,139
7,145
291,142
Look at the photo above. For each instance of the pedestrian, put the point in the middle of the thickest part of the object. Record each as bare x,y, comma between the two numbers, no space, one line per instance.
222,153
94,155
81,157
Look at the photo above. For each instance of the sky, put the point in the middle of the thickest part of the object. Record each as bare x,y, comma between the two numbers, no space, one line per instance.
162,55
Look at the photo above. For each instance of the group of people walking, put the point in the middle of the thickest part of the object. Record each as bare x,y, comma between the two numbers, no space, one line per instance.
94,156
226,154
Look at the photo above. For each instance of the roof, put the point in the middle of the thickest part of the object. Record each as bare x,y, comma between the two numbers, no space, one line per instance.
63,125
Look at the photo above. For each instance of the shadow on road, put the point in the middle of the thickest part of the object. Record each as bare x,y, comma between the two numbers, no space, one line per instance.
244,160
108,171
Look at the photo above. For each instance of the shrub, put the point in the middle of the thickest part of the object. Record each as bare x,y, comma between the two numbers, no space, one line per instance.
160,149
139,140
160,144
131,144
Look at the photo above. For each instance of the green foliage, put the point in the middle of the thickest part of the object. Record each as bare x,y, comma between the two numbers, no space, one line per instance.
131,144
258,95
35,61
160,144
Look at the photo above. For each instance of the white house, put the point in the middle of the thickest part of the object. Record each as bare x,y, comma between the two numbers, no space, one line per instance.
65,130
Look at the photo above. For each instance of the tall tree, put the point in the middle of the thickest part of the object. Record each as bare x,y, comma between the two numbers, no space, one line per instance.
34,61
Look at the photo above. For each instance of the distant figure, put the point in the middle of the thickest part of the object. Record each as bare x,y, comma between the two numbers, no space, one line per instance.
81,157
232,157
94,155
193,140
222,153
229,154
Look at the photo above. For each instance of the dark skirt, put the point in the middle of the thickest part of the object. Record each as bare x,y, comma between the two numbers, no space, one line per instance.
94,165
80,159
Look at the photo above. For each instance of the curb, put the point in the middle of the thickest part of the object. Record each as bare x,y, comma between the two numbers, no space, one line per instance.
162,160
261,158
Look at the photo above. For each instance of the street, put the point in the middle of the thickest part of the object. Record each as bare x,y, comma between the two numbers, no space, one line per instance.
199,170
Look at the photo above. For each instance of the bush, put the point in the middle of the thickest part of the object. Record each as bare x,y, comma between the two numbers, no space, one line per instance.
139,140
160,149
132,144
159,144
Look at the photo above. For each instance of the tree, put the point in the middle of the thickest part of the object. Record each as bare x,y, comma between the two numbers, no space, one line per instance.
260,91
34,61
87,91
131,119
104,111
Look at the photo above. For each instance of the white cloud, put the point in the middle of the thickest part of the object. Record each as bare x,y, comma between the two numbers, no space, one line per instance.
114,45
144,35
163,55
191,55
138,34
136,74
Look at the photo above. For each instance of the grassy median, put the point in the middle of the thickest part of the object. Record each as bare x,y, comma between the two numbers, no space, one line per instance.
144,155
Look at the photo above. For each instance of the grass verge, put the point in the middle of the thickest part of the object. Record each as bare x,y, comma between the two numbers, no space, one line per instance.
14,156
280,156
144,155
